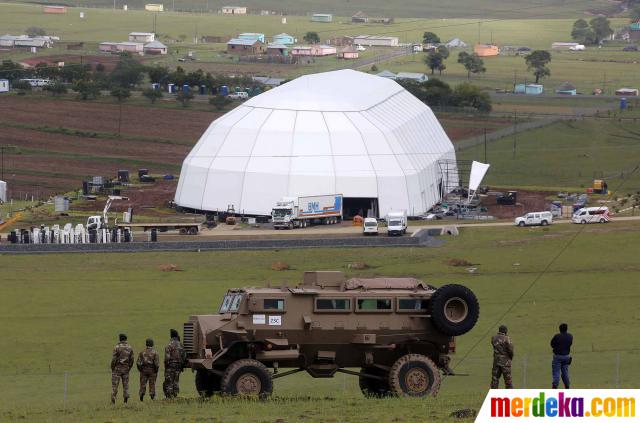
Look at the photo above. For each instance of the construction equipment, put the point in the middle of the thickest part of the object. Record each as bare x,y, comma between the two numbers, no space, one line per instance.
508,199
231,215
102,222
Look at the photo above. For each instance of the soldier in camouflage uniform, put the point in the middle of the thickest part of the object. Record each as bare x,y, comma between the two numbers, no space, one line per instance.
121,363
174,359
148,364
502,356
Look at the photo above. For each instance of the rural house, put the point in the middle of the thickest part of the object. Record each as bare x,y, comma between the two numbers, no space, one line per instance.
412,76
634,31
316,51
340,41
155,47
252,36
283,38
234,10
456,43
56,10
360,17
277,50
322,17
142,37
486,50
245,47
154,7
111,47
630,92
566,88
528,89
376,41
349,52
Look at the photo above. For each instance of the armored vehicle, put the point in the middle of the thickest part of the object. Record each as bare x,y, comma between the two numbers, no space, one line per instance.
398,331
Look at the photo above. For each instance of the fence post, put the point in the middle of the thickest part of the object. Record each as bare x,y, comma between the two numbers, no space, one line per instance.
64,403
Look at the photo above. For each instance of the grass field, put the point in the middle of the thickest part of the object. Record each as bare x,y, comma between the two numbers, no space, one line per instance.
405,8
565,154
61,313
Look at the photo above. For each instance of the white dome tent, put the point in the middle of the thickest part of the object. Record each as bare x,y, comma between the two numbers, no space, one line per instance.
341,132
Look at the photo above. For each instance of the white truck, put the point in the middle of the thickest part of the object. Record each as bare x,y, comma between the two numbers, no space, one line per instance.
370,226
396,223
542,218
300,212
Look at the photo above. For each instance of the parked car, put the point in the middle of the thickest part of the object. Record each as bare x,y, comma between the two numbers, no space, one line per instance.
591,215
242,95
370,226
579,47
360,47
543,218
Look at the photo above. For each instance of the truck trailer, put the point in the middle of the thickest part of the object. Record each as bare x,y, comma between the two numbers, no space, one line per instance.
300,212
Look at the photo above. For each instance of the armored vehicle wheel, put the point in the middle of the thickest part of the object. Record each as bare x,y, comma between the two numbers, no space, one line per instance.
247,378
375,388
414,375
207,383
454,309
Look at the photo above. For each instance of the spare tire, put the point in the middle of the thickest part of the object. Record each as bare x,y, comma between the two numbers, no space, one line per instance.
454,309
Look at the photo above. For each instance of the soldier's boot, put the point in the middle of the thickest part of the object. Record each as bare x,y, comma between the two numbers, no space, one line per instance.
126,399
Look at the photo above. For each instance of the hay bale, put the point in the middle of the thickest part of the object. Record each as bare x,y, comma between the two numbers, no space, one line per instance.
459,262
358,265
169,268
279,265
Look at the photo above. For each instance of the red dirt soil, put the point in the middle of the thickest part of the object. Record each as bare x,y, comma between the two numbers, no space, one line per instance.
528,201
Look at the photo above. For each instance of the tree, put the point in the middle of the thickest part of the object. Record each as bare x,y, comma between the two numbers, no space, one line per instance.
184,97
86,89
311,37
430,38
472,63
468,95
434,60
444,51
582,33
35,31
127,73
43,70
158,74
12,70
152,94
120,93
219,102
601,27
537,62
56,88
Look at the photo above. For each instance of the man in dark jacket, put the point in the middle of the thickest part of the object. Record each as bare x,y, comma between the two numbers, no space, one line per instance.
561,345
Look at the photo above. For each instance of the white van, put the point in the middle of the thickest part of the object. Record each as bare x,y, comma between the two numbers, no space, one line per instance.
396,223
370,226
543,218
591,215
240,95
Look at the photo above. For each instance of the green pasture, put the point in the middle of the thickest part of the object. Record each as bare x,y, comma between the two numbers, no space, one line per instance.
567,154
62,313
406,8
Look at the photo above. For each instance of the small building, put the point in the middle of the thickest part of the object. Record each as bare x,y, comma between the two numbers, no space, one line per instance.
563,45
56,10
283,38
155,47
486,50
628,92
412,76
142,37
252,36
360,17
456,43
4,85
349,53
376,41
234,10
245,47
566,88
316,51
386,74
154,7
277,50
111,47
7,40
340,41
322,17
528,89
267,80
38,42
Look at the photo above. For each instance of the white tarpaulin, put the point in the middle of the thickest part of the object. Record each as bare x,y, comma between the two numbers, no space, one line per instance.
478,170
342,132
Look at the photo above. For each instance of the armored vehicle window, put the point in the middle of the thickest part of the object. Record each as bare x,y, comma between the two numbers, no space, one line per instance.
333,304
235,304
226,302
374,304
274,304
418,305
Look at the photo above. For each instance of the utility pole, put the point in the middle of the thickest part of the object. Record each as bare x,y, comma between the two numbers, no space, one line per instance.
485,145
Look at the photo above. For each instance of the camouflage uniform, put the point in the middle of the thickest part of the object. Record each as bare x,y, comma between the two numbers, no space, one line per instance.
502,356
148,364
121,363
174,358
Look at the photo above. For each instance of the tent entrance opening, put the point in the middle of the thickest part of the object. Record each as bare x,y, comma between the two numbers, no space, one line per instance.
365,207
